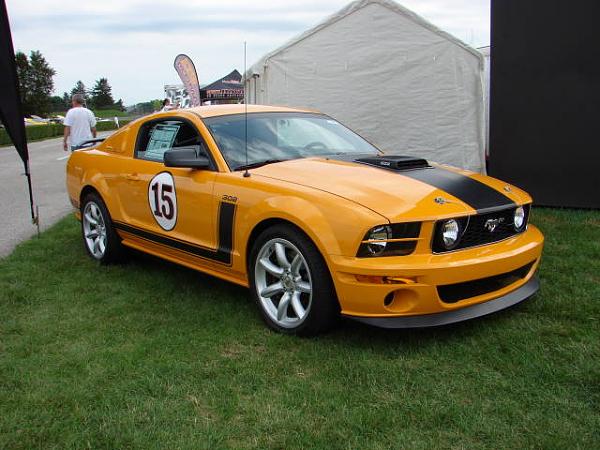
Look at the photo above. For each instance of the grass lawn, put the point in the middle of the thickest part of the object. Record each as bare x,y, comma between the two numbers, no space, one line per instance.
151,355
109,113
102,113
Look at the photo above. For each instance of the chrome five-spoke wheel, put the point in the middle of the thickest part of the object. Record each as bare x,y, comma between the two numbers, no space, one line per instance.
283,283
94,230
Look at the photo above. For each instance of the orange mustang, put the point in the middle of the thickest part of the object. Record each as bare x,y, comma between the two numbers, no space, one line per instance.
315,220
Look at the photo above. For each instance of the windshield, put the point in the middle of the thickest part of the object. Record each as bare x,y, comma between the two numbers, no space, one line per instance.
276,137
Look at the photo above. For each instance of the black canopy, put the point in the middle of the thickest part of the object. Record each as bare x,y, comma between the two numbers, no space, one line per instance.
231,81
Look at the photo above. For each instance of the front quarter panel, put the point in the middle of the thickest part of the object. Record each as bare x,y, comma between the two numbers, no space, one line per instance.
335,225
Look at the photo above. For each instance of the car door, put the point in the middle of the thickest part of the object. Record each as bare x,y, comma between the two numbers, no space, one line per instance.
166,206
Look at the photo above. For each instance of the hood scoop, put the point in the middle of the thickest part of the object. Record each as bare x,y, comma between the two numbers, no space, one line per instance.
395,162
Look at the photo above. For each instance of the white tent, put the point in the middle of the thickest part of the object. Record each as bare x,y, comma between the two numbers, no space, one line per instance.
487,68
399,81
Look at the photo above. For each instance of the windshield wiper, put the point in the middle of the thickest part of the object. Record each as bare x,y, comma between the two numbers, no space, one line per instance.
254,165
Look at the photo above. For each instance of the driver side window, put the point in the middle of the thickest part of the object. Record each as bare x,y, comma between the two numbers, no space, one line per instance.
157,137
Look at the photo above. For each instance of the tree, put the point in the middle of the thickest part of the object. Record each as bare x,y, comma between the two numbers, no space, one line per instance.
119,105
80,89
35,82
42,83
22,64
156,105
57,104
102,94
145,107
66,100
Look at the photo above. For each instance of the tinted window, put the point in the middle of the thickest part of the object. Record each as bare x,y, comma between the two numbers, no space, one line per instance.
282,136
158,137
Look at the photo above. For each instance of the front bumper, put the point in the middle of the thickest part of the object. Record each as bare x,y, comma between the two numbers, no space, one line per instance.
424,284
458,315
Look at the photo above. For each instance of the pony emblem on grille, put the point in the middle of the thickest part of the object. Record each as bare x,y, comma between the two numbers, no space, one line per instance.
491,224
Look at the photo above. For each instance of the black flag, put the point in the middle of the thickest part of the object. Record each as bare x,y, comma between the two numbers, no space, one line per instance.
10,106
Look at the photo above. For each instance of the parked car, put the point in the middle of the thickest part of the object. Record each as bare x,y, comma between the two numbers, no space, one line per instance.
314,219
57,119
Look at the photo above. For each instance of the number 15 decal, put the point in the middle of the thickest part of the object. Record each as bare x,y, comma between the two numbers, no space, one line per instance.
163,200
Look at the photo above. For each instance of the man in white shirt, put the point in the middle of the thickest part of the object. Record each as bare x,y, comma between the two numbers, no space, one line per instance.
80,123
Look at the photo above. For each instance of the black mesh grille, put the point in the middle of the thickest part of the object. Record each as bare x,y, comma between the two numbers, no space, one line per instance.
452,293
477,233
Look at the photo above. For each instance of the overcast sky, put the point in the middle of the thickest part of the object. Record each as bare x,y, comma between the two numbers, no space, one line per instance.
133,42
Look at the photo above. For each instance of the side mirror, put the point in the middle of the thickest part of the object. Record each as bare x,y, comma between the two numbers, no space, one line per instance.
186,157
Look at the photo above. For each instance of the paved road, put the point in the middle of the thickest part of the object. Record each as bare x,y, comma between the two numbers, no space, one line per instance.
48,161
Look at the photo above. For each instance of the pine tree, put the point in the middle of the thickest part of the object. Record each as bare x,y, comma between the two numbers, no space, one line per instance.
42,83
79,89
66,100
24,75
119,105
102,94
35,82
57,104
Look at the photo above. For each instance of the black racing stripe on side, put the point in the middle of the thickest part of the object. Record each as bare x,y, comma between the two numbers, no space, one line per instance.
476,194
221,255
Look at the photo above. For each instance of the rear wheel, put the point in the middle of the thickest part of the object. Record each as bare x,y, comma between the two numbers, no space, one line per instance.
99,236
290,283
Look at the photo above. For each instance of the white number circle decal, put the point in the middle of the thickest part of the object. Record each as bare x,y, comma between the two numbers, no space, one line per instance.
163,201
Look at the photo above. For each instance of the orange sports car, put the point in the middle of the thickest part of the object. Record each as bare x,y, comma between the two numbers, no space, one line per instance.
314,219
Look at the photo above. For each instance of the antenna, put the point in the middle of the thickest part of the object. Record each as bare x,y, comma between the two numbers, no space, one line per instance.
246,173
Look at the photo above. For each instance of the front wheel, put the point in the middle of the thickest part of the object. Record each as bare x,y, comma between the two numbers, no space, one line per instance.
99,237
290,283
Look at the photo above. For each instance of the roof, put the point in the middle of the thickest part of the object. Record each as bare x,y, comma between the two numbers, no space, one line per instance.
223,110
230,81
257,67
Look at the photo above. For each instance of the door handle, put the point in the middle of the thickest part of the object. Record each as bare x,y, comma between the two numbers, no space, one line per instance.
132,177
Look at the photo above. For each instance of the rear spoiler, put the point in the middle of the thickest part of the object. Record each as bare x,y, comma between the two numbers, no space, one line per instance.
89,143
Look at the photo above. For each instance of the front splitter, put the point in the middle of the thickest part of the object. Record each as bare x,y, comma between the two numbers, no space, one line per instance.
457,315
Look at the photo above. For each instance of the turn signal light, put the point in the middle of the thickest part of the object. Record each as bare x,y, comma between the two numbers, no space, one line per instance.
372,279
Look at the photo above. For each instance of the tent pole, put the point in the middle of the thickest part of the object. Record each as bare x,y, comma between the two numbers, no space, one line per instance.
34,216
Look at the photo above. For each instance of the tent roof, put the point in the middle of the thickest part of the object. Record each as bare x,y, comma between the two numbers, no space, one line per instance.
351,8
231,81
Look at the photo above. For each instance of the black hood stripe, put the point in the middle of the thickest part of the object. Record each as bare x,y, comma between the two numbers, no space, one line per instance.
474,193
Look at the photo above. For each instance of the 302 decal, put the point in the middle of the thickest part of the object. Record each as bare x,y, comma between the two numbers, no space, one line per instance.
162,199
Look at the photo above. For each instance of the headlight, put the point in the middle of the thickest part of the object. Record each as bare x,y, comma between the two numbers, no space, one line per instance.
382,233
519,218
450,233
396,239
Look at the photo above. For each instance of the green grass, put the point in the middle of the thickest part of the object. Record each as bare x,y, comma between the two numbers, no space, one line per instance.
109,113
151,355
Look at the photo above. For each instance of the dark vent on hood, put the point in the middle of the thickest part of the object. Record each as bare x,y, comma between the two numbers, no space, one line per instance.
392,162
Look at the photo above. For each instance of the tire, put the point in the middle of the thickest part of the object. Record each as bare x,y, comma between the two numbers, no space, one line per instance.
290,283
100,239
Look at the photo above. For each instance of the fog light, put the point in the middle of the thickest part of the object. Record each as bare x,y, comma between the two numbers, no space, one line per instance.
450,231
519,219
